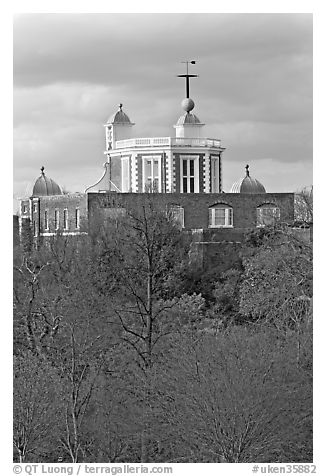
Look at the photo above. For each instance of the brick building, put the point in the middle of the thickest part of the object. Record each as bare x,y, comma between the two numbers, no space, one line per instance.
181,173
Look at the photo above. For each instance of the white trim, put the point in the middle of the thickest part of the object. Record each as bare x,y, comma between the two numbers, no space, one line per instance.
77,218
125,174
56,219
228,216
65,233
215,179
65,219
152,158
188,158
46,221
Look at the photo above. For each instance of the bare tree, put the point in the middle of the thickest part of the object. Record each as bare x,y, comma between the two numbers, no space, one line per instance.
237,397
36,407
139,251
303,205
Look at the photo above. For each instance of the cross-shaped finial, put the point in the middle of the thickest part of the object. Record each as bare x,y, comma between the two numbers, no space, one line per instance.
42,169
187,76
247,170
120,106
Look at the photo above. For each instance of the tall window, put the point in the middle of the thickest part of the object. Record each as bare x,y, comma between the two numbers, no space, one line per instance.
65,219
189,174
125,174
215,175
268,214
77,218
151,174
221,216
177,214
46,220
56,219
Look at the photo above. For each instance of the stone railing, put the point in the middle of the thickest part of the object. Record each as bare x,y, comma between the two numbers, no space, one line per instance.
200,142
167,142
143,142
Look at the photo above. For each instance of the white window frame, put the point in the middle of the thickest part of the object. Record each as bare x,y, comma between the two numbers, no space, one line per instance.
215,172
56,219
273,215
152,158
77,219
187,175
228,216
125,174
65,219
177,214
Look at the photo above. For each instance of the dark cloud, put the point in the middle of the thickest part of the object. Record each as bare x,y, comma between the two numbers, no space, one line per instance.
254,89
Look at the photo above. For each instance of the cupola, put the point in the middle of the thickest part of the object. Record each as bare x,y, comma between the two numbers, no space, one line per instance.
45,186
118,127
247,185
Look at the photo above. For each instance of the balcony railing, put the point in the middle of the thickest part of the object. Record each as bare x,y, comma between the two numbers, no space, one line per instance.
167,141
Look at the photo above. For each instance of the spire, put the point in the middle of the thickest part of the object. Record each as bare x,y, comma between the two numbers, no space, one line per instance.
42,170
247,170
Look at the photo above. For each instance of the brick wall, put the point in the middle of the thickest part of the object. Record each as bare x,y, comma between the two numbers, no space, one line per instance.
196,206
69,202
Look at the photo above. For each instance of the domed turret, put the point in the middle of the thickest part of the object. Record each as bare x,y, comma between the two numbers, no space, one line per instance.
188,125
118,127
45,186
119,117
247,185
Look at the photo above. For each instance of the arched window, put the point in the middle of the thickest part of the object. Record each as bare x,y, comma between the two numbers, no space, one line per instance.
267,214
220,216
176,213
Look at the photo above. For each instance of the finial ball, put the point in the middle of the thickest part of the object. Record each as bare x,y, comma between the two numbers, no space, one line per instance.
188,104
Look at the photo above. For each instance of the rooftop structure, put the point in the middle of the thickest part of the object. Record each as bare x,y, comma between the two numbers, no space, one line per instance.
186,163
247,185
45,186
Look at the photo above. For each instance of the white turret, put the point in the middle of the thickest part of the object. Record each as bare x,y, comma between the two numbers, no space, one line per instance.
188,125
118,127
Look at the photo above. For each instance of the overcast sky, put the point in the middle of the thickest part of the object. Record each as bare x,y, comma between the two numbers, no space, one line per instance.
254,90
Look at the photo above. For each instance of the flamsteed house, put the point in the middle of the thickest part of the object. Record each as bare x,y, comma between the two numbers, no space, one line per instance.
183,173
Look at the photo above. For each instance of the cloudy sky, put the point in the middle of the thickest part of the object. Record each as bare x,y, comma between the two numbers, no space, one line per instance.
254,90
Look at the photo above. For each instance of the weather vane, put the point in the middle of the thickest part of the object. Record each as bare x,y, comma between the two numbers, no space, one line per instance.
187,76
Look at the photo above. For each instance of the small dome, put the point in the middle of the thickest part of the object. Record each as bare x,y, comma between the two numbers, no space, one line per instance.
45,186
247,185
188,118
119,117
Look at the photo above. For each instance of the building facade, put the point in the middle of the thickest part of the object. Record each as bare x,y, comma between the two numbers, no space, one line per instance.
182,174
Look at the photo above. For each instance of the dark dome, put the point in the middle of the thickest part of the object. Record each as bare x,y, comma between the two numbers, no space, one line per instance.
119,117
247,185
45,186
